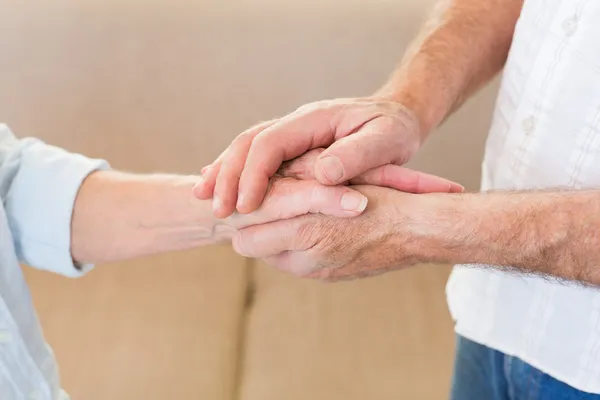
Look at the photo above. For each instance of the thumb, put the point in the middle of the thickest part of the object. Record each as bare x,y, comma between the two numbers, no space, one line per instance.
372,146
289,198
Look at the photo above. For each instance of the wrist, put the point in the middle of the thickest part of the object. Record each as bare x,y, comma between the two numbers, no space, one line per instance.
442,228
509,229
211,228
423,112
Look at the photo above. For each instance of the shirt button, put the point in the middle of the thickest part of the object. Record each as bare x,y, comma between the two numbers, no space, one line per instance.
5,337
529,124
570,25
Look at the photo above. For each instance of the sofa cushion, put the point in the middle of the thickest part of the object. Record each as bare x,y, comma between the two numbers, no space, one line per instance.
165,327
381,338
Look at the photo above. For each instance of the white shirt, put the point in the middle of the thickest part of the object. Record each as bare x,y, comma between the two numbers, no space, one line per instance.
38,185
545,133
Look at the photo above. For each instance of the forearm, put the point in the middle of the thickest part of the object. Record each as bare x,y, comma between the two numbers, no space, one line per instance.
120,216
462,46
549,233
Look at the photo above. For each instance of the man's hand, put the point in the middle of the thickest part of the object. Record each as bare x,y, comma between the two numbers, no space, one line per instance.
462,46
359,134
555,234
328,248
293,191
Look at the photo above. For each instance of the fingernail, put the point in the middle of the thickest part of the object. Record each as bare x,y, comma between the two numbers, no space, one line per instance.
216,205
353,202
457,188
332,168
240,201
203,170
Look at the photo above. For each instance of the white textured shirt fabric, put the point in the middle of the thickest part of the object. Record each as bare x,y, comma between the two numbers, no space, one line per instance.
38,186
545,133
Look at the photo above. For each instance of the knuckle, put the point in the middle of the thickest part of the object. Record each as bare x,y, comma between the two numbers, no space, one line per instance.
308,108
228,172
322,199
242,140
257,128
315,106
325,275
308,234
264,124
227,180
262,141
230,168
251,139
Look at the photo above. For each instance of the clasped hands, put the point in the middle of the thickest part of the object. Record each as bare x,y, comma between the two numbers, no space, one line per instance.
322,193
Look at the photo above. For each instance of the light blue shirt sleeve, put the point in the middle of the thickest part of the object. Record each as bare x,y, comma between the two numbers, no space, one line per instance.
38,187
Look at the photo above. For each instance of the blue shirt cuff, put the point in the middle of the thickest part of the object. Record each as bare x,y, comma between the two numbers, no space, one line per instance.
40,205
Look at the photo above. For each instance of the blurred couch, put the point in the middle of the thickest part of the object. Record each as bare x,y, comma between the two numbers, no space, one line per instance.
158,85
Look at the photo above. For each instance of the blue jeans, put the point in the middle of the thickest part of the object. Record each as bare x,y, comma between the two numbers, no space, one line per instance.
481,373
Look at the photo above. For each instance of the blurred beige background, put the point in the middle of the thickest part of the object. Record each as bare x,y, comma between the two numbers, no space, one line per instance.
158,85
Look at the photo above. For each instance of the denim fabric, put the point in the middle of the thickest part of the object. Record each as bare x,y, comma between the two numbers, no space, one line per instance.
481,373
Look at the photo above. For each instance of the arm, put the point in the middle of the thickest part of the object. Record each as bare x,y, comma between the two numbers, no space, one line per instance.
464,44
549,233
62,207
545,233
120,216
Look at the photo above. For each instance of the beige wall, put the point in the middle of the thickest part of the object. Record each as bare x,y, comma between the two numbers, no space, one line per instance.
163,86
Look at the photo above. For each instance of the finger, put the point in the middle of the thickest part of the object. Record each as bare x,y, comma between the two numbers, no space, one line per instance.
373,145
390,175
298,263
234,158
302,167
289,198
406,180
204,188
260,241
288,138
